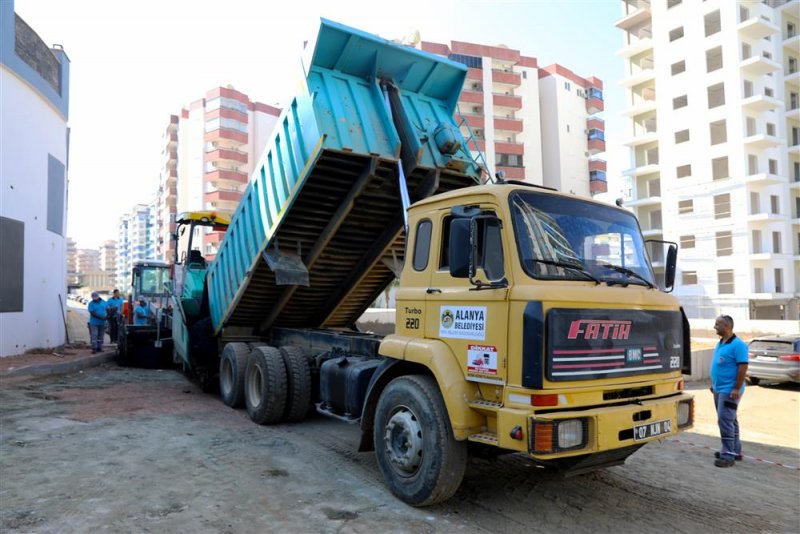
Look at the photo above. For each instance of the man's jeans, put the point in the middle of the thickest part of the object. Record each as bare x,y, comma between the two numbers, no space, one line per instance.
97,331
728,425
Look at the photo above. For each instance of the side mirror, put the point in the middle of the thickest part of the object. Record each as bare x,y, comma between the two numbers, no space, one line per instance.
460,248
670,268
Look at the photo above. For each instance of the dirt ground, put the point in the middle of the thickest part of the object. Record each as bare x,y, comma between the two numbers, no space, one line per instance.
128,450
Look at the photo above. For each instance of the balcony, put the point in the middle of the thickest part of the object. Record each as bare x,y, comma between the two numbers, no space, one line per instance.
594,101
517,149
507,101
597,186
757,28
792,79
643,72
638,41
172,140
471,97
228,156
474,120
793,114
761,103
793,150
759,65
224,136
792,43
597,165
763,179
512,173
642,169
226,176
508,125
765,218
644,136
506,78
635,17
475,74
222,199
762,141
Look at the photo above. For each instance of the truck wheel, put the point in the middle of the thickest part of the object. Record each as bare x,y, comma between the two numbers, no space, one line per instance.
232,367
299,383
265,385
421,461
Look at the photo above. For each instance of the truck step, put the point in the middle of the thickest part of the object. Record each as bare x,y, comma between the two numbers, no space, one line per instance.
487,438
485,406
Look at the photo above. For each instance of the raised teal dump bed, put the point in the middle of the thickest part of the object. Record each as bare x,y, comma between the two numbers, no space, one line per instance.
325,195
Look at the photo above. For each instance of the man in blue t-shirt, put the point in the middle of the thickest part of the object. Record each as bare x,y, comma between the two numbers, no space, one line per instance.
97,321
141,314
114,312
728,369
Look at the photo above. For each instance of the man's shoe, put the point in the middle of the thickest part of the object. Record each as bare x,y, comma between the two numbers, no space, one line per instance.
724,462
738,457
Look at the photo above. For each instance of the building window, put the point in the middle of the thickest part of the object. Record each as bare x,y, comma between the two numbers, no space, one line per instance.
712,23
12,263
594,133
508,160
770,129
755,203
470,61
778,280
718,132
791,30
685,206
757,242
56,182
758,279
748,88
722,206
678,67
725,282
680,102
687,241
714,59
673,3
676,34
681,136
774,204
567,86
716,95
567,128
683,171
776,242
724,243
689,278
719,168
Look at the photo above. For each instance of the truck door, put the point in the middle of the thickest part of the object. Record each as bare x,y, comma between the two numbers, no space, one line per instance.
410,296
472,322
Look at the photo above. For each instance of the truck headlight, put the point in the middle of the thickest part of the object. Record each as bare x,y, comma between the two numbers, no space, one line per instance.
685,413
570,433
548,437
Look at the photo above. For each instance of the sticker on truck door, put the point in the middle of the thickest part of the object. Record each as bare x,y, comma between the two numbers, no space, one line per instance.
482,359
462,322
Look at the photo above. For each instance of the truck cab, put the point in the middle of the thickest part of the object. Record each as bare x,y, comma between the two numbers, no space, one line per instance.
546,307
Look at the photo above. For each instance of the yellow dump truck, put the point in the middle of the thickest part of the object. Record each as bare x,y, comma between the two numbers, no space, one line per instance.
528,321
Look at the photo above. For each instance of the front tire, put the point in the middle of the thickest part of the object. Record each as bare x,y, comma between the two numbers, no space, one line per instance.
419,457
753,381
265,386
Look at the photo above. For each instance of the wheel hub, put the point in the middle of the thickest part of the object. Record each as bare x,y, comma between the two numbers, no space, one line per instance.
403,440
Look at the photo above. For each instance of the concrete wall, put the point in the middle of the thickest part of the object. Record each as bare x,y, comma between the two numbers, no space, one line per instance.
751,326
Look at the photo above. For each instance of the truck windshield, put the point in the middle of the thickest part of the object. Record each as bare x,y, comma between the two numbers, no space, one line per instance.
571,239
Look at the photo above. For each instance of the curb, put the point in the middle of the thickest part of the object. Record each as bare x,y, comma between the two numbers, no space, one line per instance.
61,368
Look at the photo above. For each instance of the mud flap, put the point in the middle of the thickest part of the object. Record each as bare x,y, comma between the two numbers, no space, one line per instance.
579,465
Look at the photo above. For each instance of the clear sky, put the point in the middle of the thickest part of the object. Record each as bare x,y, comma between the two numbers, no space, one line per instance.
133,64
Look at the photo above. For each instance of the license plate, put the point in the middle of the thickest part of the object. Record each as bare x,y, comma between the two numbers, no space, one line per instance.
767,358
651,430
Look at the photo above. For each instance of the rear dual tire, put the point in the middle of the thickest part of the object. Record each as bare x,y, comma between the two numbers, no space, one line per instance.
232,369
277,385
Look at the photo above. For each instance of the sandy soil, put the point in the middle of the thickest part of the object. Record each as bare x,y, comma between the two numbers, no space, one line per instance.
127,450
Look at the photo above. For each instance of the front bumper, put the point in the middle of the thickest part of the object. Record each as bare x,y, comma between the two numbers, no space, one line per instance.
607,428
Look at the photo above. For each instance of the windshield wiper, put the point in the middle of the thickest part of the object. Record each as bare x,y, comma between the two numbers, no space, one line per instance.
627,272
574,266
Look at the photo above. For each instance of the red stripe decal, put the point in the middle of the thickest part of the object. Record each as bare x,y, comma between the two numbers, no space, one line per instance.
591,351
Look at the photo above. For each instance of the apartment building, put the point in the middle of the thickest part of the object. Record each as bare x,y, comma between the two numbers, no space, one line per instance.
108,256
136,242
210,149
713,130
72,262
533,123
